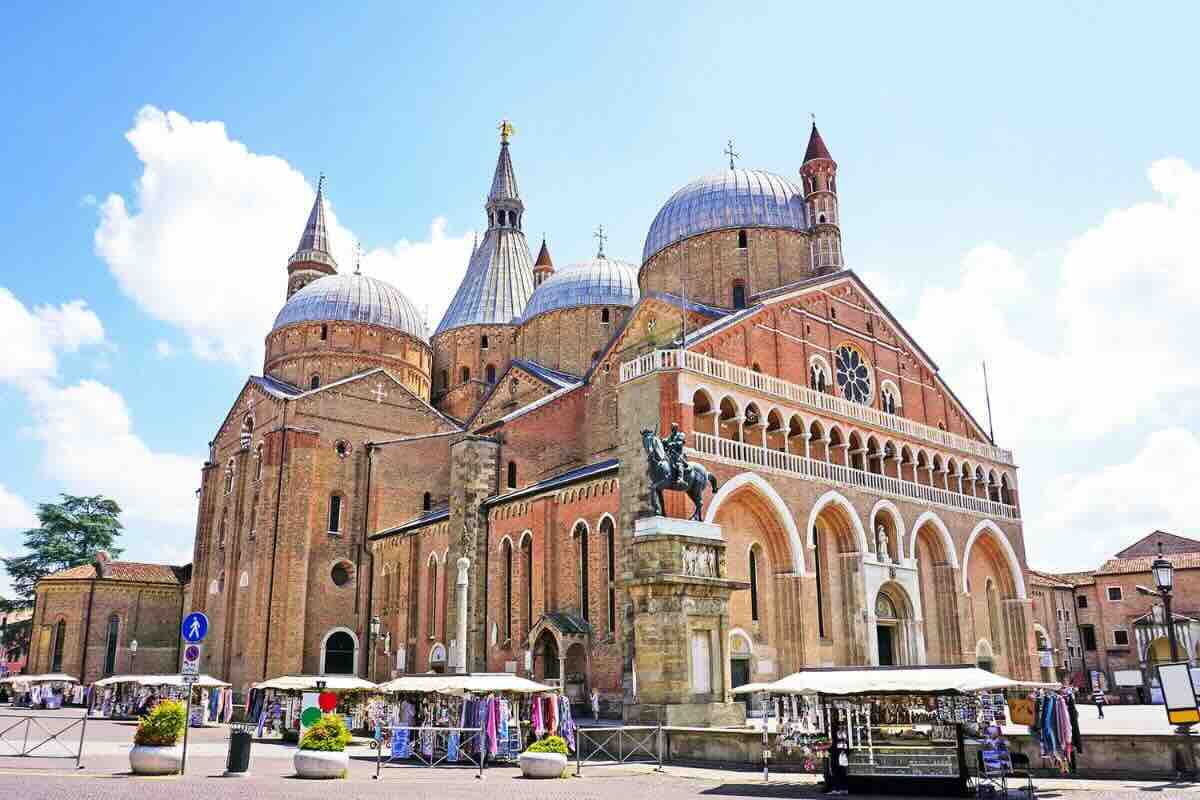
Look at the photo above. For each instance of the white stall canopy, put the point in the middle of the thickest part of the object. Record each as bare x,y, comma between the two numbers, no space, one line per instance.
950,679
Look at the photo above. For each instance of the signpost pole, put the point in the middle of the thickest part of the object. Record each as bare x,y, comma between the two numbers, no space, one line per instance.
193,630
187,723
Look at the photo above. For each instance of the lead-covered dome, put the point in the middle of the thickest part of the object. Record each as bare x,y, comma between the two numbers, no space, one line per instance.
599,282
735,198
352,298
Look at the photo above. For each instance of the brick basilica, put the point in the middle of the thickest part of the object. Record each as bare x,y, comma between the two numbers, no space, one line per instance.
481,493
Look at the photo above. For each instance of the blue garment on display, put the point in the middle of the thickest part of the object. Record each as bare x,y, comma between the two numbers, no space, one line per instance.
400,743
452,746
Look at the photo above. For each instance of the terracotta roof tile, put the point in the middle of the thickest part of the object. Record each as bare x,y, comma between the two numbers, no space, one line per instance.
1122,566
1046,579
128,571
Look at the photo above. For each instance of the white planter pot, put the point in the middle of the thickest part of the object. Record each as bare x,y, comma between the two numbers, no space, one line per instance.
543,765
147,760
321,764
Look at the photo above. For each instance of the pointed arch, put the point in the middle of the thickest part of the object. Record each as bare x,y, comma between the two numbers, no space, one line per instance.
776,502
1014,566
836,499
947,541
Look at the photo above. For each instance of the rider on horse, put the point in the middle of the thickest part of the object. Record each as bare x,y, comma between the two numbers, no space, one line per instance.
673,445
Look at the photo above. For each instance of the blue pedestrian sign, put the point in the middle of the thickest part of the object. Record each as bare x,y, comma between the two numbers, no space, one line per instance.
195,627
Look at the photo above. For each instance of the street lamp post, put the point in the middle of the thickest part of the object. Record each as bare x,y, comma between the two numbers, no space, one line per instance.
132,656
374,628
1164,580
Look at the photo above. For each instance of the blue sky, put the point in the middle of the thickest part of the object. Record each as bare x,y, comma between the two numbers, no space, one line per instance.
1000,173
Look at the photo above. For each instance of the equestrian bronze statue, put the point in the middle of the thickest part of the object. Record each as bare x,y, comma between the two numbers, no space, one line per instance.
668,468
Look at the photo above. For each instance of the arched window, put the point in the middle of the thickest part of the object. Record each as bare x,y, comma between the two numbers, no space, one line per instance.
993,609
512,474
444,376
110,645
221,529
324,332
229,477
610,540
465,374
431,615
426,501
258,459
581,533
491,374
889,398
340,651
742,239
483,342
335,513
739,294
59,643
753,584
508,590
821,630
527,565
253,515
314,382
818,376
604,318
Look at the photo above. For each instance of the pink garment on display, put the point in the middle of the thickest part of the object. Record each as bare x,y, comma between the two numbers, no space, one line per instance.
539,725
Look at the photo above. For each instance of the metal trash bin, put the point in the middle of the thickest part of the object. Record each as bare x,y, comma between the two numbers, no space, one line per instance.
239,750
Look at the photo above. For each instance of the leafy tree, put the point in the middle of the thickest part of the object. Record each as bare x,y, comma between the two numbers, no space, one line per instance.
70,534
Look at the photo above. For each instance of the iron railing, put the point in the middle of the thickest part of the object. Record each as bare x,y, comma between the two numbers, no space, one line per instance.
432,746
34,735
641,744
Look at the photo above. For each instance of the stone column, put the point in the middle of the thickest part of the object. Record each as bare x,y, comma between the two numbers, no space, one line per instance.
460,599
473,478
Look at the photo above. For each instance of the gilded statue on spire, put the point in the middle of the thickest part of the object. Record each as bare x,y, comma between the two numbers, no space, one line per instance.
506,131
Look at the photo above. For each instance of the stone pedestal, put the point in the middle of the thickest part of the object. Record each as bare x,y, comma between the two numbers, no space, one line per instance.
680,596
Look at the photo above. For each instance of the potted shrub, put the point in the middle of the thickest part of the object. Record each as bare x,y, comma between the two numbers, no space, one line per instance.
546,758
322,752
156,749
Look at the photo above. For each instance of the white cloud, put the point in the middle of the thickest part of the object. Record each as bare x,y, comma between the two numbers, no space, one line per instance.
33,339
162,349
206,243
90,447
1096,347
15,513
1119,503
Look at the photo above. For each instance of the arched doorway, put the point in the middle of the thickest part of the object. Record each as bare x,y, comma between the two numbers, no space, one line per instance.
895,631
576,679
339,653
546,664
933,550
983,656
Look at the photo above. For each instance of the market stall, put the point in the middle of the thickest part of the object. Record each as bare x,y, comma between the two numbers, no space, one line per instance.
125,696
278,706
50,690
455,718
889,730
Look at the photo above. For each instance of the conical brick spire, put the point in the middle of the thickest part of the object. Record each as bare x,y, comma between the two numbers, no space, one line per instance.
544,267
816,146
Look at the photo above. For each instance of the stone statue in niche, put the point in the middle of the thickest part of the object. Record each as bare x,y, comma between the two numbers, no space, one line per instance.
699,561
881,545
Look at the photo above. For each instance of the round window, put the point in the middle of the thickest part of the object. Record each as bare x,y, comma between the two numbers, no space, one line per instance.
853,374
340,574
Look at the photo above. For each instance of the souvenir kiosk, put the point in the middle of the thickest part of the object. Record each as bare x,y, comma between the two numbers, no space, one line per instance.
434,718
279,706
888,730
50,690
120,696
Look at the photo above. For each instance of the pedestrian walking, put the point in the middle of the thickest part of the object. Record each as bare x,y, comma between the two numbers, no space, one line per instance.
1098,699
596,705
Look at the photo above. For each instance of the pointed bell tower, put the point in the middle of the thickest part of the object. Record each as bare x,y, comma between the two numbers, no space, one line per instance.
543,267
473,344
312,258
819,177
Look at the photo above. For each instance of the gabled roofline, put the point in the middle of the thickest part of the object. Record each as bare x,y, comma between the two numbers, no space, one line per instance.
430,517
556,379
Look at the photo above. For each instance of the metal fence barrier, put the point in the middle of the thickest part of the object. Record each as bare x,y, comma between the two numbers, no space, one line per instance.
34,735
431,746
630,744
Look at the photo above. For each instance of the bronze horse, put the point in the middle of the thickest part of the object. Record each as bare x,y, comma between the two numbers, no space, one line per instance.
693,481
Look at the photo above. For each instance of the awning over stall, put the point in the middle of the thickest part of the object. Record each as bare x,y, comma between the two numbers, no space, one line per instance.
948,679
202,681
308,683
479,683
52,677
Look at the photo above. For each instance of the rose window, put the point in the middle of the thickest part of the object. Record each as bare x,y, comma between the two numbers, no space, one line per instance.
853,375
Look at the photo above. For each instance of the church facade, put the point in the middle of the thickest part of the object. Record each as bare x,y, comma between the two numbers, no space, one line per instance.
383,500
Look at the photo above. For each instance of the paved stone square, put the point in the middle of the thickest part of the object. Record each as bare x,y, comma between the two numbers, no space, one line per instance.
105,774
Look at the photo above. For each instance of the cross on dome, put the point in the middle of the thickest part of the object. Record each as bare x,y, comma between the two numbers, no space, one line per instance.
729,151
601,237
